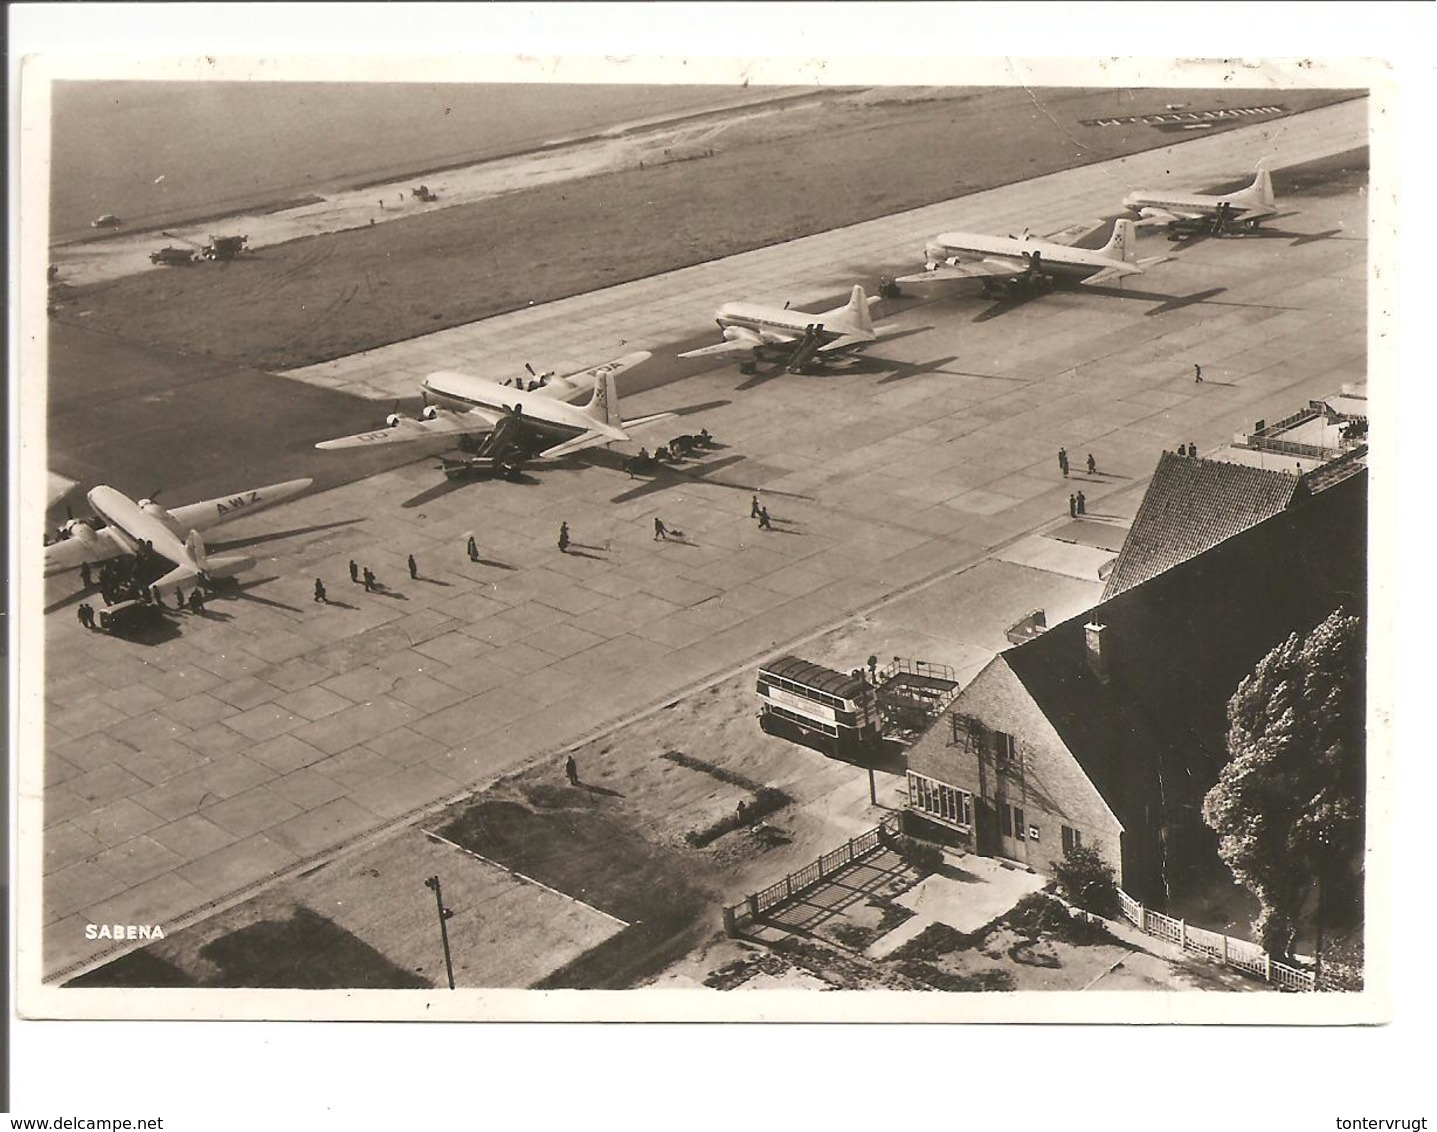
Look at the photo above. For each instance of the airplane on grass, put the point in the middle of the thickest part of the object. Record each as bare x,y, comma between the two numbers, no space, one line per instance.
502,426
750,326
1206,215
1015,266
132,528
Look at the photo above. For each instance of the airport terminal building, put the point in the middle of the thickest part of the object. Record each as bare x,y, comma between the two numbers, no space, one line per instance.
1108,729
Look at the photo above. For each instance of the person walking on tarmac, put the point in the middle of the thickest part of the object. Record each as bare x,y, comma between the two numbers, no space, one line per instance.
368,580
563,538
753,509
413,567
763,523
473,549
661,532
319,594
353,571
1092,465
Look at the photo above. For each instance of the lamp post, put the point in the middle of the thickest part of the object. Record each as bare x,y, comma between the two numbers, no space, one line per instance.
444,914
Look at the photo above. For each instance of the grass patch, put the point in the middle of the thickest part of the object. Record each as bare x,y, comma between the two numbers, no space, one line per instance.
821,167
768,800
593,858
1038,916
938,979
743,782
581,852
934,941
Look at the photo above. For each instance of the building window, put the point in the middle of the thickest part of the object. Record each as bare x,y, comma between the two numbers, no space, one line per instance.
941,802
1018,822
1005,820
1072,839
1005,749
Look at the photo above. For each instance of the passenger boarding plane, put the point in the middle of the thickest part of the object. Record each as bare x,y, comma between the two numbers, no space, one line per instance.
1247,207
131,525
513,418
749,326
1019,264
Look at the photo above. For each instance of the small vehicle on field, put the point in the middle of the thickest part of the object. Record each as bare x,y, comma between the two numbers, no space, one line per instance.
173,257
126,617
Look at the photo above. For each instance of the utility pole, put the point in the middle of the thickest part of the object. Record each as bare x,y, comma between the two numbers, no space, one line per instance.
444,914
872,788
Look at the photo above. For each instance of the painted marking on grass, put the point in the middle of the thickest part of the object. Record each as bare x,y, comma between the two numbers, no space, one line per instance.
528,879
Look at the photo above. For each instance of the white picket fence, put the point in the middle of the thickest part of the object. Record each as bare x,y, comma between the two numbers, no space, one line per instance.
1224,949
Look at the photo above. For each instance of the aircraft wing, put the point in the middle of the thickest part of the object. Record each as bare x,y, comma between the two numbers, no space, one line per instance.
846,342
444,423
596,439
212,512
578,443
1107,275
586,378
1172,215
983,269
1070,236
727,346
69,553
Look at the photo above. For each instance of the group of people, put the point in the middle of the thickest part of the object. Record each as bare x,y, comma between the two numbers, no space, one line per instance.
758,511
371,583
1064,467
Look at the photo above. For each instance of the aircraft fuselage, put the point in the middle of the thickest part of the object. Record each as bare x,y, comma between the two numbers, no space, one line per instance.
1056,259
462,392
787,323
1199,205
138,524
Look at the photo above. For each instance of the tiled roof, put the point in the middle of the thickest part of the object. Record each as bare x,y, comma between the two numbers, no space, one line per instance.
1193,504
1151,735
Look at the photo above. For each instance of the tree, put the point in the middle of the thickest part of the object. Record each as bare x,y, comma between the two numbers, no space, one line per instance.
1088,881
1288,807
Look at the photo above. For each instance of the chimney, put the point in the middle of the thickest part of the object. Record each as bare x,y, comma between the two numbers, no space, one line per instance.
1095,637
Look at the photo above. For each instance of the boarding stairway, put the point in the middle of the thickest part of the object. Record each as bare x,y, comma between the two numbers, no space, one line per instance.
808,346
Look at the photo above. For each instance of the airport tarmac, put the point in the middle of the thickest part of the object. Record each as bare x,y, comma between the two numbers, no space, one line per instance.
671,307
261,737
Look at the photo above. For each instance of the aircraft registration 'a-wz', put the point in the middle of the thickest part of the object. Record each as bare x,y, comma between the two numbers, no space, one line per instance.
1021,264
509,424
750,326
129,526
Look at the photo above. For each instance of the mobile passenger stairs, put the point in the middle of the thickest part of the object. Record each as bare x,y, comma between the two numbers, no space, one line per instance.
808,346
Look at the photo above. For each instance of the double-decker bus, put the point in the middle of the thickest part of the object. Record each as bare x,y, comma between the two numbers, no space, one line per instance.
810,704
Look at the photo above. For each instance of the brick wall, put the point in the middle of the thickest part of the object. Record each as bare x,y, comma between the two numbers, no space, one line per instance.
1041,778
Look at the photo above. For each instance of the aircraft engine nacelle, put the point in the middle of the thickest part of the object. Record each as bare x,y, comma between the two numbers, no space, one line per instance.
735,334
150,507
82,531
393,419
430,413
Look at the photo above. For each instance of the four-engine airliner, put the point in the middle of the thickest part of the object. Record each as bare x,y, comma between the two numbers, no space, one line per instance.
460,406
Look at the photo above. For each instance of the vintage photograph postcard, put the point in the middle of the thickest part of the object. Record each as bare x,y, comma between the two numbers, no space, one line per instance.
667,538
